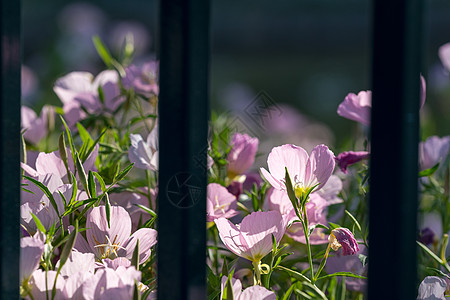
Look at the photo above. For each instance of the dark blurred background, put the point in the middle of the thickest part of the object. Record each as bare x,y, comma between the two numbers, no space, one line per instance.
306,55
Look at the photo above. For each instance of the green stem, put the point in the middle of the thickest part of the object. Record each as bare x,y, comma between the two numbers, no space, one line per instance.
308,246
149,184
256,273
322,263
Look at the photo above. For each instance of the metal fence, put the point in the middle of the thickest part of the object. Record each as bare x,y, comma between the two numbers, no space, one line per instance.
184,56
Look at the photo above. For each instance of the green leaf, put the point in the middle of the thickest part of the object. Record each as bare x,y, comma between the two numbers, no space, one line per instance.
124,173
102,51
86,138
82,175
146,209
63,153
135,257
38,223
100,180
290,190
354,220
347,274
108,209
318,225
280,259
430,253
430,171
91,184
68,246
69,137
73,198
334,225
136,292
295,274
439,272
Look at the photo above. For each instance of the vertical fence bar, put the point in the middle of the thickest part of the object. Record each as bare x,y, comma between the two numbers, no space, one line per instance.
10,149
183,111
394,149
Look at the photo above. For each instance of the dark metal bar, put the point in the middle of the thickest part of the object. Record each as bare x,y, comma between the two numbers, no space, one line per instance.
397,36
183,111
10,149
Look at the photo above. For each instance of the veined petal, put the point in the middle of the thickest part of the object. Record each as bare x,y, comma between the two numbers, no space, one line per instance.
257,292
320,166
230,236
277,184
147,239
292,157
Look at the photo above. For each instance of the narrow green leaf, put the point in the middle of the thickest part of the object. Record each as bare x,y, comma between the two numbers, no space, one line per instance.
63,154
123,173
280,259
354,220
430,171
146,209
91,184
87,141
68,246
334,225
100,180
74,190
224,269
82,175
38,223
69,137
318,225
287,296
108,209
135,257
102,51
295,274
290,190
430,253
136,292
347,274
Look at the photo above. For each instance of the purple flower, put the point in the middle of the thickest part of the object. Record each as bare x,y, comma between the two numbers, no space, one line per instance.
36,127
306,172
444,55
343,237
432,287
357,107
348,158
114,241
80,89
242,154
252,239
433,150
144,79
220,203
144,154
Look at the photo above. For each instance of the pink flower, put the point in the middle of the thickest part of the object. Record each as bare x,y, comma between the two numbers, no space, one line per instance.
252,239
242,154
444,55
36,127
343,237
144,154
357,107
31,249
41,282
220,203
143,79
255,292
316,210
114,241
306,172
80,89
433,150
347,158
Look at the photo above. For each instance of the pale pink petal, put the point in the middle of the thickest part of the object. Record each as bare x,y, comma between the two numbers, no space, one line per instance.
357,107
290,156
331,189
320,166
104,77
230,236
257,292
242,154
432,288
423,91
139,152
68,86
50,163
78,262
31,250
39,287
72,287
117,262
444,55
277,184
147,239
257,230
220,202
